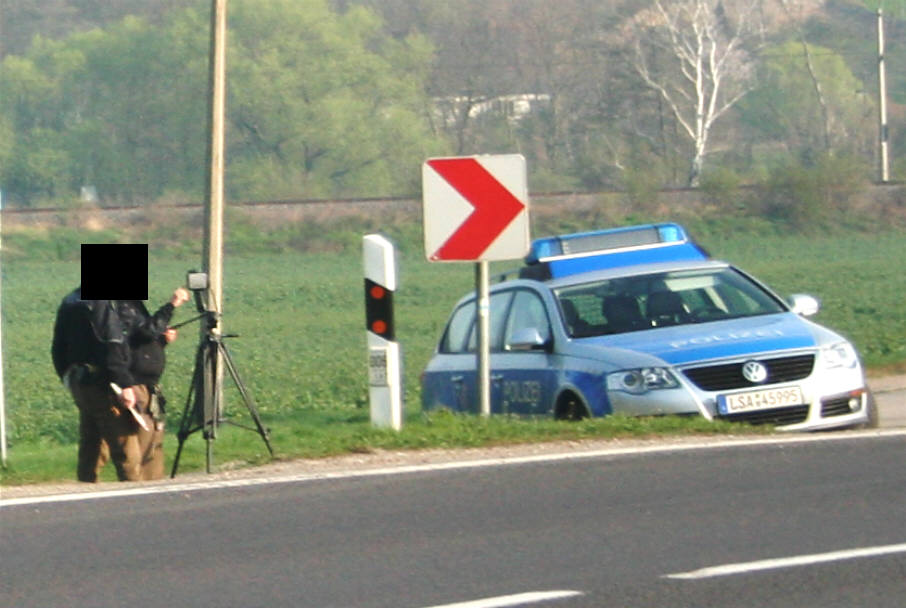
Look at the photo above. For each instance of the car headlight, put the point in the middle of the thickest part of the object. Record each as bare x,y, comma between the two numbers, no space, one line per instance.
639,381
841,354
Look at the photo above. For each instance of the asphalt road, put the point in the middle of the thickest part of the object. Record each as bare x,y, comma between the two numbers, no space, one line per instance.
631,529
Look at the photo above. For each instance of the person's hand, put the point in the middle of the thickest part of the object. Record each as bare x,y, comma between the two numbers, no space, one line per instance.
180,297
127,397
170,334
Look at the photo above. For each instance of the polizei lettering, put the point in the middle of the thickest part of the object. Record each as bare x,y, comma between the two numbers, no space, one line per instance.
727,337
522,392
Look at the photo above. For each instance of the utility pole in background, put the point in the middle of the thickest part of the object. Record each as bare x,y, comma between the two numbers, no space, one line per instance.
213,232
884,172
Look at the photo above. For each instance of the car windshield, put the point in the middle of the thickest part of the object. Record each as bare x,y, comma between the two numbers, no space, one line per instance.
649,301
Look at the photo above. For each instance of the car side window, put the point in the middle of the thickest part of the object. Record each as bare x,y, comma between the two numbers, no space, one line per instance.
458,329
461,335
500,303
527,311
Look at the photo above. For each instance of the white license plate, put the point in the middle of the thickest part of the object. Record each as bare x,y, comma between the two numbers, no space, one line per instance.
767,399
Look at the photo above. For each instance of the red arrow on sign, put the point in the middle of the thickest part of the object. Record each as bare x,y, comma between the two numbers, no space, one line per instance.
495,207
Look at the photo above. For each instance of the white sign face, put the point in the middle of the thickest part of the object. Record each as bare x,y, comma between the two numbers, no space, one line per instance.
475,208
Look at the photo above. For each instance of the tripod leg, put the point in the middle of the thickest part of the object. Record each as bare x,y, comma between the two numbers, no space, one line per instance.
212,399
249,403
191,408
176,458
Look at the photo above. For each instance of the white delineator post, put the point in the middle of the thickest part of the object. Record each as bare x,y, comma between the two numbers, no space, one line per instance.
384,369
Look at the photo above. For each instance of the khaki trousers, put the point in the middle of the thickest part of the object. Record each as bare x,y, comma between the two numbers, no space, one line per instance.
108,433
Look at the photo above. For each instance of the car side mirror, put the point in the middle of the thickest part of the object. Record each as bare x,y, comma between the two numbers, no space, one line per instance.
527,338
804,305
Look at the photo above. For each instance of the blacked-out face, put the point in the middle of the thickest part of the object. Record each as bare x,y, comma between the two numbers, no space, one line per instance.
114,271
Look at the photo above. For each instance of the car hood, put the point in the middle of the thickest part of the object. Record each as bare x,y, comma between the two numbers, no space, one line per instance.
684,344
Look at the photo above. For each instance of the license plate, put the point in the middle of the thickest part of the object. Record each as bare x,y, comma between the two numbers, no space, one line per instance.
767,399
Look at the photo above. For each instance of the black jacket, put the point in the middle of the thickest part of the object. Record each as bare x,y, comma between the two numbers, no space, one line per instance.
146,339
90,331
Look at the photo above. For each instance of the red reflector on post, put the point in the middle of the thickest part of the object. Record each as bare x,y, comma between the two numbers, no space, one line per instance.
379,309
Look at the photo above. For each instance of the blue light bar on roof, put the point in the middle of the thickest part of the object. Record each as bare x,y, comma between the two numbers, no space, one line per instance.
584,251
600,241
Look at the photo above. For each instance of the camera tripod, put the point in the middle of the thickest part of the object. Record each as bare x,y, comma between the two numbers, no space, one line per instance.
203,411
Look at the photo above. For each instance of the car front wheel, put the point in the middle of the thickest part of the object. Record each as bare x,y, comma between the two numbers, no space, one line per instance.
570,407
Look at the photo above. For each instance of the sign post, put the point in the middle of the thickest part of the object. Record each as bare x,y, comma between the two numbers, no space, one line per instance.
483,320
476,210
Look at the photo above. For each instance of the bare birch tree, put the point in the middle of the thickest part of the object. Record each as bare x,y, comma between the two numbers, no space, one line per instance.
697,56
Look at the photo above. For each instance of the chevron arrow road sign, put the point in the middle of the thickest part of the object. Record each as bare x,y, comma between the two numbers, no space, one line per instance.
475,208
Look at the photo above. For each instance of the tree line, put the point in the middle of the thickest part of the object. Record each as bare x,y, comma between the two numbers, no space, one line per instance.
346,98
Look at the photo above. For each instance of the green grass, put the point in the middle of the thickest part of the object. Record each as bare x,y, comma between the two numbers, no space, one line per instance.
308,434
302,340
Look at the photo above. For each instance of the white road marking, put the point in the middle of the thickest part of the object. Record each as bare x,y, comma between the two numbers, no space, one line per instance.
177,487
788,562
519,599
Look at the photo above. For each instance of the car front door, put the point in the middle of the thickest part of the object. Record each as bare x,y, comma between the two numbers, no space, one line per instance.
451,377
522,373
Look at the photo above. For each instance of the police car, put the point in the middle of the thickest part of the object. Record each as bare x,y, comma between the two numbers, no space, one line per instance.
641,321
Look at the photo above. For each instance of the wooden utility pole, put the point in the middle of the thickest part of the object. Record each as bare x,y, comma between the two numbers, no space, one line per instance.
884,172
213,233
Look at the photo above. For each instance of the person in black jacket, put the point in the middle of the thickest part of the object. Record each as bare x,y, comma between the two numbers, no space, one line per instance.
148,335
92,348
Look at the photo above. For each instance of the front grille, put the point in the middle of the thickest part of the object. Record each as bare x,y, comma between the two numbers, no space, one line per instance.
729,376
779,417
836,406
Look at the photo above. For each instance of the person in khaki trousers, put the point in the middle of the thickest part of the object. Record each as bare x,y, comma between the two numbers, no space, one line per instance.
143,447
151,440
148,336
106,432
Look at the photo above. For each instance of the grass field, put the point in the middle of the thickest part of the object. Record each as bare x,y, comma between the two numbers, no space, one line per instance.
301,348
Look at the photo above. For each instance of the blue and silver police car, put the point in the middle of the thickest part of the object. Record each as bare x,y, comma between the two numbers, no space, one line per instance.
642,321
